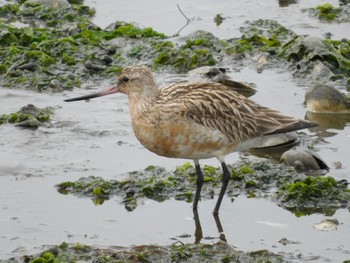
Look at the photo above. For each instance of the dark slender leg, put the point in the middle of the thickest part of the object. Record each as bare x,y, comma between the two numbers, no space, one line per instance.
219,227
199,186
225,180
198,234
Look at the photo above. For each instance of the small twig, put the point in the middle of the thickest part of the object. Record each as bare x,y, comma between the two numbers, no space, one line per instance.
187,20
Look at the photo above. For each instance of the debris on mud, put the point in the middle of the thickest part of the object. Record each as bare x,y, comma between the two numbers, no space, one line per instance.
28,116
284,241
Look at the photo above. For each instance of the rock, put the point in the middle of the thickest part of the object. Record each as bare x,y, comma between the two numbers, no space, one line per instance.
327,224
206,72
30,123
286,3
94,67
111,51
338,165
321,71
30,109
40,114
184,235
307,52
274,145
322,98
344,2
55,85
261,58
50,3
276,140
304,160
106,60
215,74
305,47
28,66
284,241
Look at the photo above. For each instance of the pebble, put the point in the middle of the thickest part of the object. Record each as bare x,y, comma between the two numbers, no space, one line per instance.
322,98
304,160
30,123
326,225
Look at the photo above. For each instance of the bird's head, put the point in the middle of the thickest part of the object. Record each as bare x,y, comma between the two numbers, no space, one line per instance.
132,81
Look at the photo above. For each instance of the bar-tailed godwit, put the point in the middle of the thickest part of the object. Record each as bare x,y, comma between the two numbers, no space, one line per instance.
195,120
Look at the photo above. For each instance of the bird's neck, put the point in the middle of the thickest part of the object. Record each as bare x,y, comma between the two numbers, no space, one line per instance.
141,102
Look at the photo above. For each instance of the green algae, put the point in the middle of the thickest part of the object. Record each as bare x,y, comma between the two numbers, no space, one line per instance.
130,30
260,36
254,43
294,191
311,188
54,50
313,194
176,252
9,10
329,13
14,117
29,112
158,184
45,14
61,47
153,183
97,35
218,19
302,52
307,51
197,51
64,42
47,257
136,51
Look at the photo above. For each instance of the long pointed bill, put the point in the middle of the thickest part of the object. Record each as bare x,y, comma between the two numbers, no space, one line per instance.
95,95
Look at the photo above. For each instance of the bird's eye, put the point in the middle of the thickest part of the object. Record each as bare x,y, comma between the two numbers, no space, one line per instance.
125,79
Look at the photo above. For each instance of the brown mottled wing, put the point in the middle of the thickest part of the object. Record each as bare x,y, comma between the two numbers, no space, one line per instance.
219,107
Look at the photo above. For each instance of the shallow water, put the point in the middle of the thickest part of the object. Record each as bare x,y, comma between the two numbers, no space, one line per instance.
95,138
164,16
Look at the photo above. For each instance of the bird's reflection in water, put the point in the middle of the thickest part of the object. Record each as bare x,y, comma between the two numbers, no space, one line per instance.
198,233
286,3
